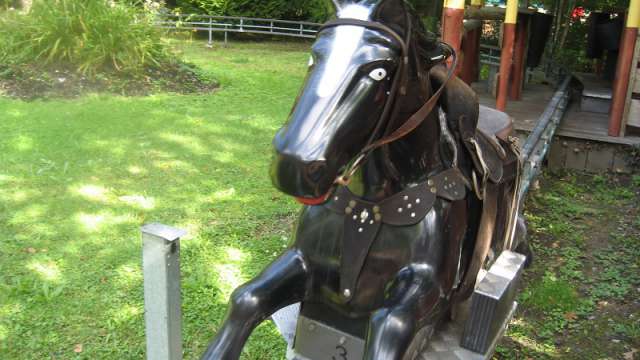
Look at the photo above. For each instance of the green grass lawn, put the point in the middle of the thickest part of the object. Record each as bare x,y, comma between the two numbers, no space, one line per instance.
79,177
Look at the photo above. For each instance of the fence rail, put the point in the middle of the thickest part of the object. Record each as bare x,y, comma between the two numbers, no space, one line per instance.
235,24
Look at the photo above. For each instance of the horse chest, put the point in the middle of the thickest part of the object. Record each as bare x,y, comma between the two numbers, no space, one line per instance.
342,258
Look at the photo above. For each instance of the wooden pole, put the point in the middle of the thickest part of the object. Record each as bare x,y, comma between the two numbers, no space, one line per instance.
623,71
508,38
470,71
452,25
517,78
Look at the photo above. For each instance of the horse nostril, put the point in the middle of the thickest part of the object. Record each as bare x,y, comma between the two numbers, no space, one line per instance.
316,171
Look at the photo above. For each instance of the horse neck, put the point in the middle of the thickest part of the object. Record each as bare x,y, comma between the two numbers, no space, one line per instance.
409,160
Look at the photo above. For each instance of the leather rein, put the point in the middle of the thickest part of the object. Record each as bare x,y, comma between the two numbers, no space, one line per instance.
398,85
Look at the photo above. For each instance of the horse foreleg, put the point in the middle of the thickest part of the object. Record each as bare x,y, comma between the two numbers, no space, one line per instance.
281,284
392,328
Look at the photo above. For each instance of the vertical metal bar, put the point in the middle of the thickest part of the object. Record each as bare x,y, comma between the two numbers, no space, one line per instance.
161,269
210,32
301,29
272,26
226,36
241,24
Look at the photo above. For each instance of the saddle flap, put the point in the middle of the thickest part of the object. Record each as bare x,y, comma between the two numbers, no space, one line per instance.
488,156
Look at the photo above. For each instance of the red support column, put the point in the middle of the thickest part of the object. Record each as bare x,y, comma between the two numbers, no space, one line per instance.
508,38
623,71
517,76
452,25
471,49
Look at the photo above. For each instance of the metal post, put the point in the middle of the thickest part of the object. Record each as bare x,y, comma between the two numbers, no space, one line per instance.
226,36
161,269
241,24
301,29
272,26
210,32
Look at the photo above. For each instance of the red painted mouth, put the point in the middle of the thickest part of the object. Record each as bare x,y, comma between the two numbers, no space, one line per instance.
313,201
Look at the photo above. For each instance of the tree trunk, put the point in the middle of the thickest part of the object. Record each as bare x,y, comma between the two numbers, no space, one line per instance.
563,39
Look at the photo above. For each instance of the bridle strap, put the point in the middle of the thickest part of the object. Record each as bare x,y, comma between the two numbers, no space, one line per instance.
418,117
400,77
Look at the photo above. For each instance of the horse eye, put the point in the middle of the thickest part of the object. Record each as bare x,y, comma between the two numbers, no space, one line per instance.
378,74
311,61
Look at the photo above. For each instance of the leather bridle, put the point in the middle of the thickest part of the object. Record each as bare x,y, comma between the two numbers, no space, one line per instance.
399,85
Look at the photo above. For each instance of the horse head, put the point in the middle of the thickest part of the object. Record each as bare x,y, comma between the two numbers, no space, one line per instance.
352,71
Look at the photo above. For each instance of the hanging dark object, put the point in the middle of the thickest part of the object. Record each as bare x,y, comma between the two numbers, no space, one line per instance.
540,30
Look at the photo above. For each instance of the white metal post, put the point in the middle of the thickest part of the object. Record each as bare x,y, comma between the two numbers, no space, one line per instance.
210,32
161,269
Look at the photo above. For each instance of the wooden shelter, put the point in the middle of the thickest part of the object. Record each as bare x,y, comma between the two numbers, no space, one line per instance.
619,123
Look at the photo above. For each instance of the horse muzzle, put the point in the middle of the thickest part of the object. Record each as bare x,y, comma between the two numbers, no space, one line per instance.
309,181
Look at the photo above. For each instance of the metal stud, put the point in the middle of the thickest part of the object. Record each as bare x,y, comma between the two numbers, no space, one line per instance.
406,198
409,206
399,210
355,217
360,230
346,293
348,210
336,198
376,209
371,222
413,215
418,201
378,217
434,190
352,203
430,182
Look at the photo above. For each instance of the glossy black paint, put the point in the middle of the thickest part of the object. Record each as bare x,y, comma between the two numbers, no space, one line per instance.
411,271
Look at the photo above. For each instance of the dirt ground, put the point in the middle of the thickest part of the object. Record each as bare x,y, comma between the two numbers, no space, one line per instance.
581,297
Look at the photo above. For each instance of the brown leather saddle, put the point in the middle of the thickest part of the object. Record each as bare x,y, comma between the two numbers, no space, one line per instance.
487,136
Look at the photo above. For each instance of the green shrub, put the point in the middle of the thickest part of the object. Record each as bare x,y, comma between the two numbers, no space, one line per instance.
310,10
91,36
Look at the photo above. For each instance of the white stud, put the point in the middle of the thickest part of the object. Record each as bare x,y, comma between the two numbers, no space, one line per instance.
355,217
413,215
399,210
336,198
346,293
360,230
371,222
409,206
406,198
417,201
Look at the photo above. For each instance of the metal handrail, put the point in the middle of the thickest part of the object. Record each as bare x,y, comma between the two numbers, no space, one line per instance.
238,24
539,141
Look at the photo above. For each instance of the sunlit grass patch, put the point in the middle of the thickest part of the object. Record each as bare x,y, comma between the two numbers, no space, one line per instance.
79,177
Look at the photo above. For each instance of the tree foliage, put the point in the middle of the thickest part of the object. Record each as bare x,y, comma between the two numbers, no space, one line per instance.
311,10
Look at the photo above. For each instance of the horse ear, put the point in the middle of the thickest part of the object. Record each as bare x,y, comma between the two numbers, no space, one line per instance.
392,12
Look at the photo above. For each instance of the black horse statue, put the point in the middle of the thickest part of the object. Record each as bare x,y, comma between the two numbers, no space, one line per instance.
410,188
